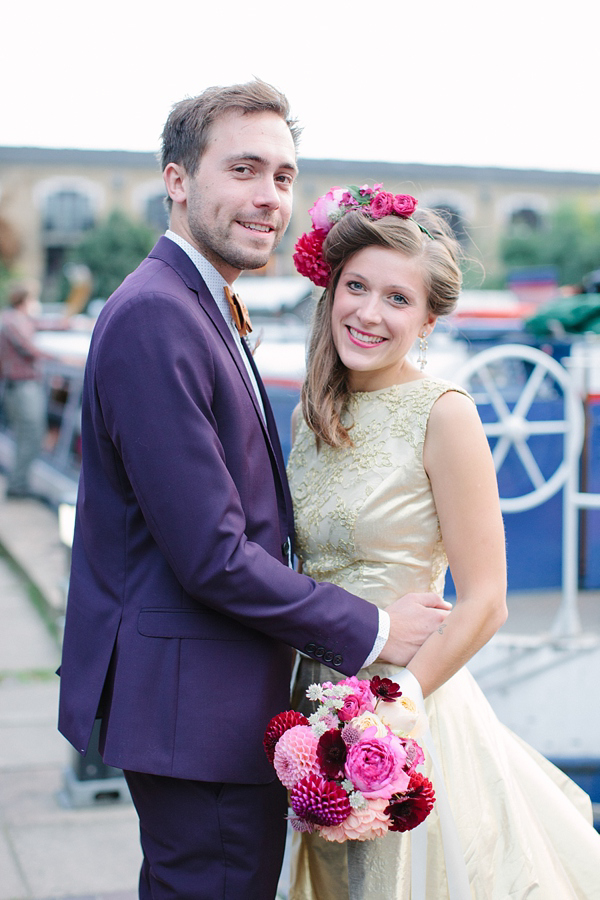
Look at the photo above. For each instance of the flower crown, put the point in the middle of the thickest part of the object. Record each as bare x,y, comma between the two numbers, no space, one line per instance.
333,206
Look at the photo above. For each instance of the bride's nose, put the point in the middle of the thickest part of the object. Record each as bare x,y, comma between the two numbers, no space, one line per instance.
370,310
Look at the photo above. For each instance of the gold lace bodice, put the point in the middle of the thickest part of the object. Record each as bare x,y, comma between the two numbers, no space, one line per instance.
365,515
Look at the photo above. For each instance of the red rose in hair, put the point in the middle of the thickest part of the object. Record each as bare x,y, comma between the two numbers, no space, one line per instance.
381,205
404,205
277,726
309,259
410,808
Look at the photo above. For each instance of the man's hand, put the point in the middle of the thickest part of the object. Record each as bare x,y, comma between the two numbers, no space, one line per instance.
413,618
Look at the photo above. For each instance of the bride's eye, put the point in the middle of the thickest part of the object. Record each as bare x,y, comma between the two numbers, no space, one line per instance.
399,299
355,285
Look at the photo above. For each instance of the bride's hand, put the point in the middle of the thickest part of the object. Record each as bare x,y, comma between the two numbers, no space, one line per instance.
413,618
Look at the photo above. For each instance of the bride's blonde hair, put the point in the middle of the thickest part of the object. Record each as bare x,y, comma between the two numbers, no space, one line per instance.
325,389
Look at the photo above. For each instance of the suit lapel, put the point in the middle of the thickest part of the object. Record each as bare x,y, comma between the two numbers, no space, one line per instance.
169,252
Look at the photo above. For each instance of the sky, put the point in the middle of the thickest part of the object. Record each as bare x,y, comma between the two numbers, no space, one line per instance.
512,84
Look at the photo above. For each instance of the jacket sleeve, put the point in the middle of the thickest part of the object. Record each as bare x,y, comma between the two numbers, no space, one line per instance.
155,378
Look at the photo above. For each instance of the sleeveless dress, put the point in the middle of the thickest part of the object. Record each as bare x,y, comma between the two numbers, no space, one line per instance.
366,520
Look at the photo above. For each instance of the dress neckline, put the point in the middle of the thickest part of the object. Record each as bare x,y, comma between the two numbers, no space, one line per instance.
400,386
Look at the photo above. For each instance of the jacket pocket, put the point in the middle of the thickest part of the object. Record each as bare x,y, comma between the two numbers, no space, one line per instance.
200,625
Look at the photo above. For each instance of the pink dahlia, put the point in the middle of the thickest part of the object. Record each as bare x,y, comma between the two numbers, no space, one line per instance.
359,701
317,800
410,808
361,825
295,755
309,259
277,726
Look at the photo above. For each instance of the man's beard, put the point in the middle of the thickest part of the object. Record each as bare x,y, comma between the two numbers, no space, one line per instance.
216,245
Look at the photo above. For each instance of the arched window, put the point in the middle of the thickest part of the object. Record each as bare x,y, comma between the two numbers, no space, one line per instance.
68,212
526,217
454,220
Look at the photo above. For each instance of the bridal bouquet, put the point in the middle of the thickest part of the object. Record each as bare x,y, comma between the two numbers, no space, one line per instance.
351,767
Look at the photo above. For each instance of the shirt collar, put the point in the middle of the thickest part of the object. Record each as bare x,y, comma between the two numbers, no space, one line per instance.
212,278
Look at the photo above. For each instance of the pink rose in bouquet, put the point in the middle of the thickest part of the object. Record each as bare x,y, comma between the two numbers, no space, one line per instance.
360,701
375,766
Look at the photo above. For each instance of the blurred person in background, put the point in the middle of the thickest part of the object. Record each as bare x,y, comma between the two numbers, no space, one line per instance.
24,395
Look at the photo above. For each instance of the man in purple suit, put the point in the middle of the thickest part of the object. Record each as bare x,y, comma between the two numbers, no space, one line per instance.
183,610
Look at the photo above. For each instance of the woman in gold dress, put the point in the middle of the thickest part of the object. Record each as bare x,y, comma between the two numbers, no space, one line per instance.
392,480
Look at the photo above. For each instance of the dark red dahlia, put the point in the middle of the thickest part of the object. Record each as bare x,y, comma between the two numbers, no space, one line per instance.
322,802
277,726
331,753
308,257
409,809
385,688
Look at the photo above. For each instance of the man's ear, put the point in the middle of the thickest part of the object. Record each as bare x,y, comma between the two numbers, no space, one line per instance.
175,178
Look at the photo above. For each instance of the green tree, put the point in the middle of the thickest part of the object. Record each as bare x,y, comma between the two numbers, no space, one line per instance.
569,239
112,250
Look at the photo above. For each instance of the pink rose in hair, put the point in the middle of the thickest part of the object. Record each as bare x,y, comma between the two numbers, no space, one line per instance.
375,766
404,205
324,211
382,205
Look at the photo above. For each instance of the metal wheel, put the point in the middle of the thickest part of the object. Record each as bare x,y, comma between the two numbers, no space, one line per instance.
507,383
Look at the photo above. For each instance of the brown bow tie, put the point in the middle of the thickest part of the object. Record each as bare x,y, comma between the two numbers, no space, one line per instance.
239,313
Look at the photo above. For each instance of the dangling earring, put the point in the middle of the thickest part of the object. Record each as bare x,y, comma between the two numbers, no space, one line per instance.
422,360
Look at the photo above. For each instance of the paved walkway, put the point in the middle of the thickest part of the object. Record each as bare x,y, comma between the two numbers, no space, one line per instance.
49,849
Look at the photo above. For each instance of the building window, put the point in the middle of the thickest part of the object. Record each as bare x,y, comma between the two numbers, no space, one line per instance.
67,212
526,218
454,220
155,213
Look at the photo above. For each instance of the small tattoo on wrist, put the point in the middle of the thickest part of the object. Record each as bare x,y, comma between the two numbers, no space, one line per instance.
441,628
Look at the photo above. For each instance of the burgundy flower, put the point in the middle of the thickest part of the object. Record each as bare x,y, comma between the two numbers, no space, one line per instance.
381,205
331,753
410,808
385,688
404,205
322,802
277,726
309,259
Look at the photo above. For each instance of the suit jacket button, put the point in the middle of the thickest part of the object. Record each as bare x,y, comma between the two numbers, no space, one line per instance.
328,656
285,549
319,652
338,660
310,648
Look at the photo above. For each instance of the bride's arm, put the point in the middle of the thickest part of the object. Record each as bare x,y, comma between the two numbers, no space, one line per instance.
459,464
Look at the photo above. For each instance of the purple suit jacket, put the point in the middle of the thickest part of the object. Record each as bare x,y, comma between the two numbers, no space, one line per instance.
182,613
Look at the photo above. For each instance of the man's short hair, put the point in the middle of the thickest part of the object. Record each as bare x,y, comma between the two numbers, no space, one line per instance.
187,128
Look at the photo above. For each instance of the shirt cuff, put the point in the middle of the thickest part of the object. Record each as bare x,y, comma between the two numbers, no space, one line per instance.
381,639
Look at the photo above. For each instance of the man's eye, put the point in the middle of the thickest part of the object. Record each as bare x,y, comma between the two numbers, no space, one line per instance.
286,180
